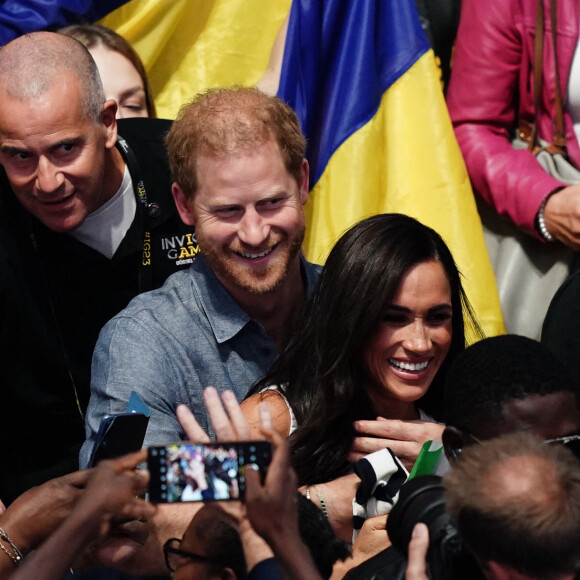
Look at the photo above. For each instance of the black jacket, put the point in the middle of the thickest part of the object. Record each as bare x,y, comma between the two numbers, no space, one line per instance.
55,295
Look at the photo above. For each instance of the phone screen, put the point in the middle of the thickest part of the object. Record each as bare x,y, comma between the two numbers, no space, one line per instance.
184,472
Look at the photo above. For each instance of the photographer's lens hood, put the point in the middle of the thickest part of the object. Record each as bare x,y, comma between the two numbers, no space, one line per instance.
420,500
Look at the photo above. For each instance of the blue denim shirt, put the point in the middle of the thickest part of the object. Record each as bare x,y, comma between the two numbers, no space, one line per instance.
171,343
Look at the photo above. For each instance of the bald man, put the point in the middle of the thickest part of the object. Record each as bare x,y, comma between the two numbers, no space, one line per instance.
516,504
87,221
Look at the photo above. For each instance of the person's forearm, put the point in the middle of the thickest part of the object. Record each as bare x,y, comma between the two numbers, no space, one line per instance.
13,528
255,547
341,567
53,559
16,529
6,566
487,64
294,558
337,496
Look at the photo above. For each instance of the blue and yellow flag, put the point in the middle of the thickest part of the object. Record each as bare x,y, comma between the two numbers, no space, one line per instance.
364,83
186,45
190,45
20,16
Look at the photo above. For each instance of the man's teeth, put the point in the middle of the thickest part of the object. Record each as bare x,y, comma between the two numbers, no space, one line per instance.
255,256
413,367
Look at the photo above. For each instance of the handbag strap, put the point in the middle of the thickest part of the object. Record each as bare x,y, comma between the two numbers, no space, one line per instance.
559,138
538,65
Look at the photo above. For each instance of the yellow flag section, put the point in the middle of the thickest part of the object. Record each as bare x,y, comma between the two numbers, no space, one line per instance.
406,160
191,45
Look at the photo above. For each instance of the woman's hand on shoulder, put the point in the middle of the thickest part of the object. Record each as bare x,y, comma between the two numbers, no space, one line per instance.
278,411
404,438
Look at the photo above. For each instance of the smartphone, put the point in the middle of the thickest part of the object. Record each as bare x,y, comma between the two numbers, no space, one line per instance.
183,472
118,435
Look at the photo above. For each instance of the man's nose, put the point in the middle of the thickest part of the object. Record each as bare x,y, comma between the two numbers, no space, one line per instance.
253,230
48,177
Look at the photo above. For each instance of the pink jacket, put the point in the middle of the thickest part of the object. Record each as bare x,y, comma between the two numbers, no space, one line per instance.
491,79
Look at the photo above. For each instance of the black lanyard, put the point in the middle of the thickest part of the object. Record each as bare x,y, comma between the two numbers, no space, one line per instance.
145,273
151,210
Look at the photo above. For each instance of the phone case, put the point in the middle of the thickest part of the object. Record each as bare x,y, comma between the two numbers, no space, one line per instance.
118,435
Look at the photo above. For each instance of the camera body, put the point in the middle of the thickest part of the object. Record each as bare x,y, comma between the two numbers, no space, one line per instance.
422,500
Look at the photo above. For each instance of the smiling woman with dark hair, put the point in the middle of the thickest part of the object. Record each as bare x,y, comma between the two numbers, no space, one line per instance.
365,365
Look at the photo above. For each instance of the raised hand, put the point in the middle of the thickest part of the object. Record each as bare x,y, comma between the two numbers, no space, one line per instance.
229,424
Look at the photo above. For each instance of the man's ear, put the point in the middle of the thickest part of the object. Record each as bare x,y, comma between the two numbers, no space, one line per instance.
496,571
304,183
228,574
454,441
182,203
109,121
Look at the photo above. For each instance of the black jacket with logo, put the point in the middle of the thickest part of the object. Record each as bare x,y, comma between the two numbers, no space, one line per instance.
56,294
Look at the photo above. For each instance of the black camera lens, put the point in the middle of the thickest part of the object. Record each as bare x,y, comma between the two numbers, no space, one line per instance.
420,500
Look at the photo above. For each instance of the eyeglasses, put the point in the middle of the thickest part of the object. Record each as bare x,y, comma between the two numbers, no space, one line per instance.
456,451
572,442
172,554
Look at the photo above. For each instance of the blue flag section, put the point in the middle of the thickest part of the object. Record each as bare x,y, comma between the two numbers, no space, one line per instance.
20,16
340,58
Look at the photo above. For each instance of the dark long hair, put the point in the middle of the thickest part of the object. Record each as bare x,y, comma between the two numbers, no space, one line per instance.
321,370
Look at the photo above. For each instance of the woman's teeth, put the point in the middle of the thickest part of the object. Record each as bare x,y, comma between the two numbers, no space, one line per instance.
412,367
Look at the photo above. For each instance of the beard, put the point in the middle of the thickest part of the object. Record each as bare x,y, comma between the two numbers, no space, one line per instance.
255,281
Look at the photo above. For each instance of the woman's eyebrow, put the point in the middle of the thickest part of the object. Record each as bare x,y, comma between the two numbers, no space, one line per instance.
398,308
443,306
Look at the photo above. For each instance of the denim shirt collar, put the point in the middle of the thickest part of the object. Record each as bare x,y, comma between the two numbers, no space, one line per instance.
226,317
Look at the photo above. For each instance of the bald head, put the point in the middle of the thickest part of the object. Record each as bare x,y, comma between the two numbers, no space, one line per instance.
516,501
30,64
528,479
